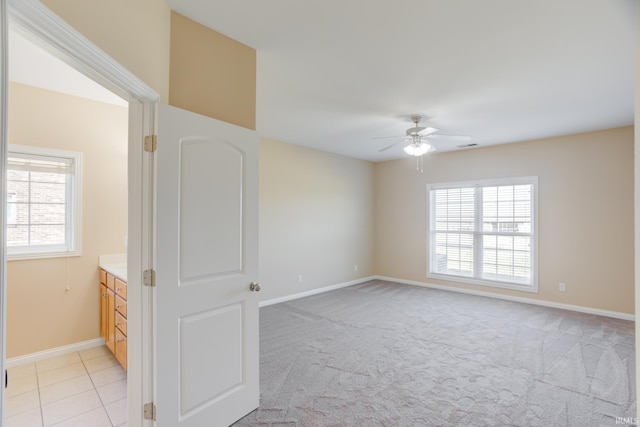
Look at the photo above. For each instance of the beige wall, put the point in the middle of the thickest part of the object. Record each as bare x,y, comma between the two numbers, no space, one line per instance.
211,74
585,212
41,314
134,33
316,219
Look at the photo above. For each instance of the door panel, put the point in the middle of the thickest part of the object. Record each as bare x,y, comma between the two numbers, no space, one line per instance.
213,168
104,310
206,257
111,330
200,386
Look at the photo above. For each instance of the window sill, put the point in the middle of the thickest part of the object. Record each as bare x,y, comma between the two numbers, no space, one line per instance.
502,285
23,256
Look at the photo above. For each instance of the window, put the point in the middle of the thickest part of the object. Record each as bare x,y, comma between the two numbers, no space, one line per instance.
43,203
484,232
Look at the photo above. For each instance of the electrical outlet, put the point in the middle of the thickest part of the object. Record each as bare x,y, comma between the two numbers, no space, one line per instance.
299,278
562,287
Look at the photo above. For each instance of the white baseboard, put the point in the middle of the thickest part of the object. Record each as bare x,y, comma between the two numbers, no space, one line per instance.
581,309
315,291
53,352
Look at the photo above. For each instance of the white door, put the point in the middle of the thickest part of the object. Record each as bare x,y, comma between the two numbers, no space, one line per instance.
206,244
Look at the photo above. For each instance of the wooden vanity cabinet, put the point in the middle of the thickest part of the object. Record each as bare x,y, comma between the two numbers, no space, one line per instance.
113,315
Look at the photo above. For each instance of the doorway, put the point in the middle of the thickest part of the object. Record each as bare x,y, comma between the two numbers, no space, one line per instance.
39,25
62,219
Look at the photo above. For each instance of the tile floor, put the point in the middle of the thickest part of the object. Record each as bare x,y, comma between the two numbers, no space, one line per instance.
86,388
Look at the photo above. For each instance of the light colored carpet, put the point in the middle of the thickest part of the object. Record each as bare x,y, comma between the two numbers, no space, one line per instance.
383,354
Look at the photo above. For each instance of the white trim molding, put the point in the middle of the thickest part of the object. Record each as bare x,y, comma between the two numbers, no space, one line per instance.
570,307
543,303
53,352
314,291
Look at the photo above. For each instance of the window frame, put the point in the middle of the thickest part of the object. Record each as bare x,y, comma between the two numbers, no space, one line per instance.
477,253
73,208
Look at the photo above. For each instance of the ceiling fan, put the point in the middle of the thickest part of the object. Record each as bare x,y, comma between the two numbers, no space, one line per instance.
418,139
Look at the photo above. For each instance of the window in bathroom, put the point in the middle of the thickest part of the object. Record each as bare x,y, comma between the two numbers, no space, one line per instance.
43,202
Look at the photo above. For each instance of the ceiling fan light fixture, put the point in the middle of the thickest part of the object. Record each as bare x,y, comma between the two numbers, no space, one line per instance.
417,149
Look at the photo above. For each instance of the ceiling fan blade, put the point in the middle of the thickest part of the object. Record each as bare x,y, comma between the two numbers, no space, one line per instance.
450,137
389,146
388,137
428,131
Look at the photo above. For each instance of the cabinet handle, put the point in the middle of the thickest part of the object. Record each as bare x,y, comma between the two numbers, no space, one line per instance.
120,340
118,305
117,289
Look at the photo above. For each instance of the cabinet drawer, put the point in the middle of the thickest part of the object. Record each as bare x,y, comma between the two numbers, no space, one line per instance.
111,282
121,323
121,306
103,277
121,348
121,288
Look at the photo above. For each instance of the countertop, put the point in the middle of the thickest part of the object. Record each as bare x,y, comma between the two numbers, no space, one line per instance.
115,264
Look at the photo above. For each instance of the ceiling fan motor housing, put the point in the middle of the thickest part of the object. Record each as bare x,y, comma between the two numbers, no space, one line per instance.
417,129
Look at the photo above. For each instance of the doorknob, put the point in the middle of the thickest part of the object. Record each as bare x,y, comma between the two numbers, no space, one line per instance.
254,287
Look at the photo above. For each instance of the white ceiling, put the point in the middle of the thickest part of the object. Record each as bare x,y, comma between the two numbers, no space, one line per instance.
332,74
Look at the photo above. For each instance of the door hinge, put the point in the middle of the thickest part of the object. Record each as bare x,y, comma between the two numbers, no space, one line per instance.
149,411
151,143
149,277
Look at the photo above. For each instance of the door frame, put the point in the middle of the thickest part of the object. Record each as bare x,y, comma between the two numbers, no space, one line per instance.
40,25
